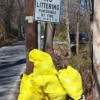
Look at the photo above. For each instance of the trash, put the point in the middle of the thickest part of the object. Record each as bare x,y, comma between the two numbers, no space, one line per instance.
45,75
51,87
29,90
46,83
43,64
71,81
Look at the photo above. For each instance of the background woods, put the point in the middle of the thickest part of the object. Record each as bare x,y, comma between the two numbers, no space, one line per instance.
70,42
12,18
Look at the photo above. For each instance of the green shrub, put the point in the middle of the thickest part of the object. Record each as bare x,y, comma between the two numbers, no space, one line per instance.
60,37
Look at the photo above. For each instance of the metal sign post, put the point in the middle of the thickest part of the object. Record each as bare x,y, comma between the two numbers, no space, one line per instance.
39,35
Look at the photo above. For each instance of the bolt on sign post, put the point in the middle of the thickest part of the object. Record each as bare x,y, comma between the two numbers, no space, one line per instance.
31,33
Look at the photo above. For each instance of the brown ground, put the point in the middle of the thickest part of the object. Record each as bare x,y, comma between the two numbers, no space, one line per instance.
7,41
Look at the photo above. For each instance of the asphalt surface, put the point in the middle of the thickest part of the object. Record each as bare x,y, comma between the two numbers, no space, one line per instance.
12,66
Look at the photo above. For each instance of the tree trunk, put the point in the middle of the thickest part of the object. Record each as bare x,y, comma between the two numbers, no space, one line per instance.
96,48
31,35
77,34
45,37
20,20
7,19
50,35
77,29
90,33
67,28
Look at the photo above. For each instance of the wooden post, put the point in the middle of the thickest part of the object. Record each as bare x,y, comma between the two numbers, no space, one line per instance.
31,34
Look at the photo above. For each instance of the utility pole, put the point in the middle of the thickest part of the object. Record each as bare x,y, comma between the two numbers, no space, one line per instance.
31,33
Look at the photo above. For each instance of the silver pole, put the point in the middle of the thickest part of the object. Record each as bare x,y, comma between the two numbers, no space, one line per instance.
39,35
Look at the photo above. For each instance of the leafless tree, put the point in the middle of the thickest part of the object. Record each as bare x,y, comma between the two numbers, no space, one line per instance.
96,47
77,28
7,19
50,34
67,27
21,17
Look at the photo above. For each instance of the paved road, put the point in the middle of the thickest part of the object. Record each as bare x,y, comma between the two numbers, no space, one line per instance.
12,65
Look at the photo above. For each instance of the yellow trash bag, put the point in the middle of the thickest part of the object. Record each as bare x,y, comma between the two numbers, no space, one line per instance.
71,81
29,90
43,64
51,87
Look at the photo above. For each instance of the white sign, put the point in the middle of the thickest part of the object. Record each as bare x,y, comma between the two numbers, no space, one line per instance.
47,10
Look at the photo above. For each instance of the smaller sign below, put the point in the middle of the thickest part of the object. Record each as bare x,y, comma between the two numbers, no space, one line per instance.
47,10
29,18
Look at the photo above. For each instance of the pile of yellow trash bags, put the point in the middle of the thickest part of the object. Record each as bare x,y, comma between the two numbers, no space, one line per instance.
46,83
